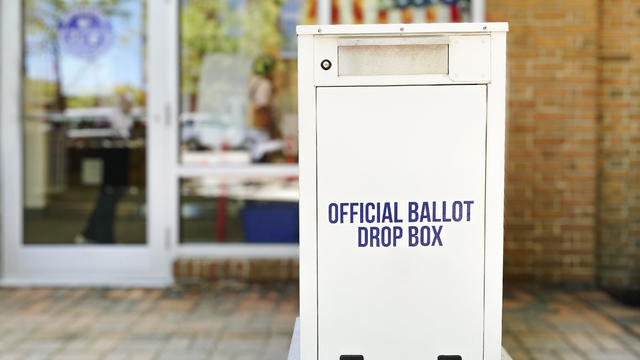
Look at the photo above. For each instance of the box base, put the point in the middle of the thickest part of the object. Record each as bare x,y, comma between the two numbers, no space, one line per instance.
294,348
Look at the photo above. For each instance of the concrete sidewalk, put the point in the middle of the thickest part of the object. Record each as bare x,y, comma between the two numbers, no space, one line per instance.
255,323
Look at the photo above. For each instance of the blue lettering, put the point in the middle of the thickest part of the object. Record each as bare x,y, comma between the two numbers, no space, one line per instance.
353,212
385,235
413,236
436,235
396,219
386,213
422,237
343,212
457,211
397,234
413,211
425,212
362,237
434,219
333,215
371,218
444,212
375,235
468,203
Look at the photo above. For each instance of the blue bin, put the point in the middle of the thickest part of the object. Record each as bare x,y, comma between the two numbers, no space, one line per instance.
270,222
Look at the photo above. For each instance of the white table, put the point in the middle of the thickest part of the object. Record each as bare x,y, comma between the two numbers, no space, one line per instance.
294,349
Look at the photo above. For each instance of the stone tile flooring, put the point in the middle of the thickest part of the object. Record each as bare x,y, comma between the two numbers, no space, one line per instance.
255,322
542,323
222,323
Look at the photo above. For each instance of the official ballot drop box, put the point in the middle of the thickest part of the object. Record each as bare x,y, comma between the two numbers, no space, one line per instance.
402,133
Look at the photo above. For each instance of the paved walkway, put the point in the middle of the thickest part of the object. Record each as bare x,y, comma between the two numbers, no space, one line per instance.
255,323
555,324
218,323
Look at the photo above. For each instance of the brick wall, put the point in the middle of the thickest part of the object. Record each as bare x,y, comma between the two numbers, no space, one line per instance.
235,270
572,211
618,254
552,133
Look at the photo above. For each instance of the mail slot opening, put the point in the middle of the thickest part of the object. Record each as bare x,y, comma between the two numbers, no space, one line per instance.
400,59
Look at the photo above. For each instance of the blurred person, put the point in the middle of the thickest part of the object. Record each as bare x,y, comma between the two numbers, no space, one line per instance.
264,138
115,154
262,94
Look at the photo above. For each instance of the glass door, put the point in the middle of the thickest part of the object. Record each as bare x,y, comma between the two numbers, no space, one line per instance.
235,139
78,154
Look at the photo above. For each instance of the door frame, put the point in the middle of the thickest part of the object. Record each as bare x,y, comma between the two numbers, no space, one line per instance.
70,264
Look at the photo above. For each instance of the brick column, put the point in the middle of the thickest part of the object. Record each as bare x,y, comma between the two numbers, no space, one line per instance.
618,255
552,132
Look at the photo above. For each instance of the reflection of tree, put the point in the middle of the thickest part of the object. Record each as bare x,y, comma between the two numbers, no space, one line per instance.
213,26
91,101
41,24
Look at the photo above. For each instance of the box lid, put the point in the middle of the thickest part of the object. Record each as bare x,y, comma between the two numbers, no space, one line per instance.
377,29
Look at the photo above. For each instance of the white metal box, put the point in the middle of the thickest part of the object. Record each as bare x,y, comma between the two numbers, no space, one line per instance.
402,132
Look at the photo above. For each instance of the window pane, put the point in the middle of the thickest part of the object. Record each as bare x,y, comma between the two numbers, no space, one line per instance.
248,209
239,80
84,122
399,11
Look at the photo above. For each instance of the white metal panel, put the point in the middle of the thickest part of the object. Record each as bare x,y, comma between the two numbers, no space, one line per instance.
470,58
377,144
377,29
495,104
307,159
496,114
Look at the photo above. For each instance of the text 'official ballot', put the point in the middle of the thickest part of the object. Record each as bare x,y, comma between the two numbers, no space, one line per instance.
401,151
389,213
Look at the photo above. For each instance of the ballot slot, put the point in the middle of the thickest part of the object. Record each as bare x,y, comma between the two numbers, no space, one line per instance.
402,60
393,56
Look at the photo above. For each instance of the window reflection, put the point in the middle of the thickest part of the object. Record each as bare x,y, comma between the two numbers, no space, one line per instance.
239,107
238,80
399,11
84,121
239,209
